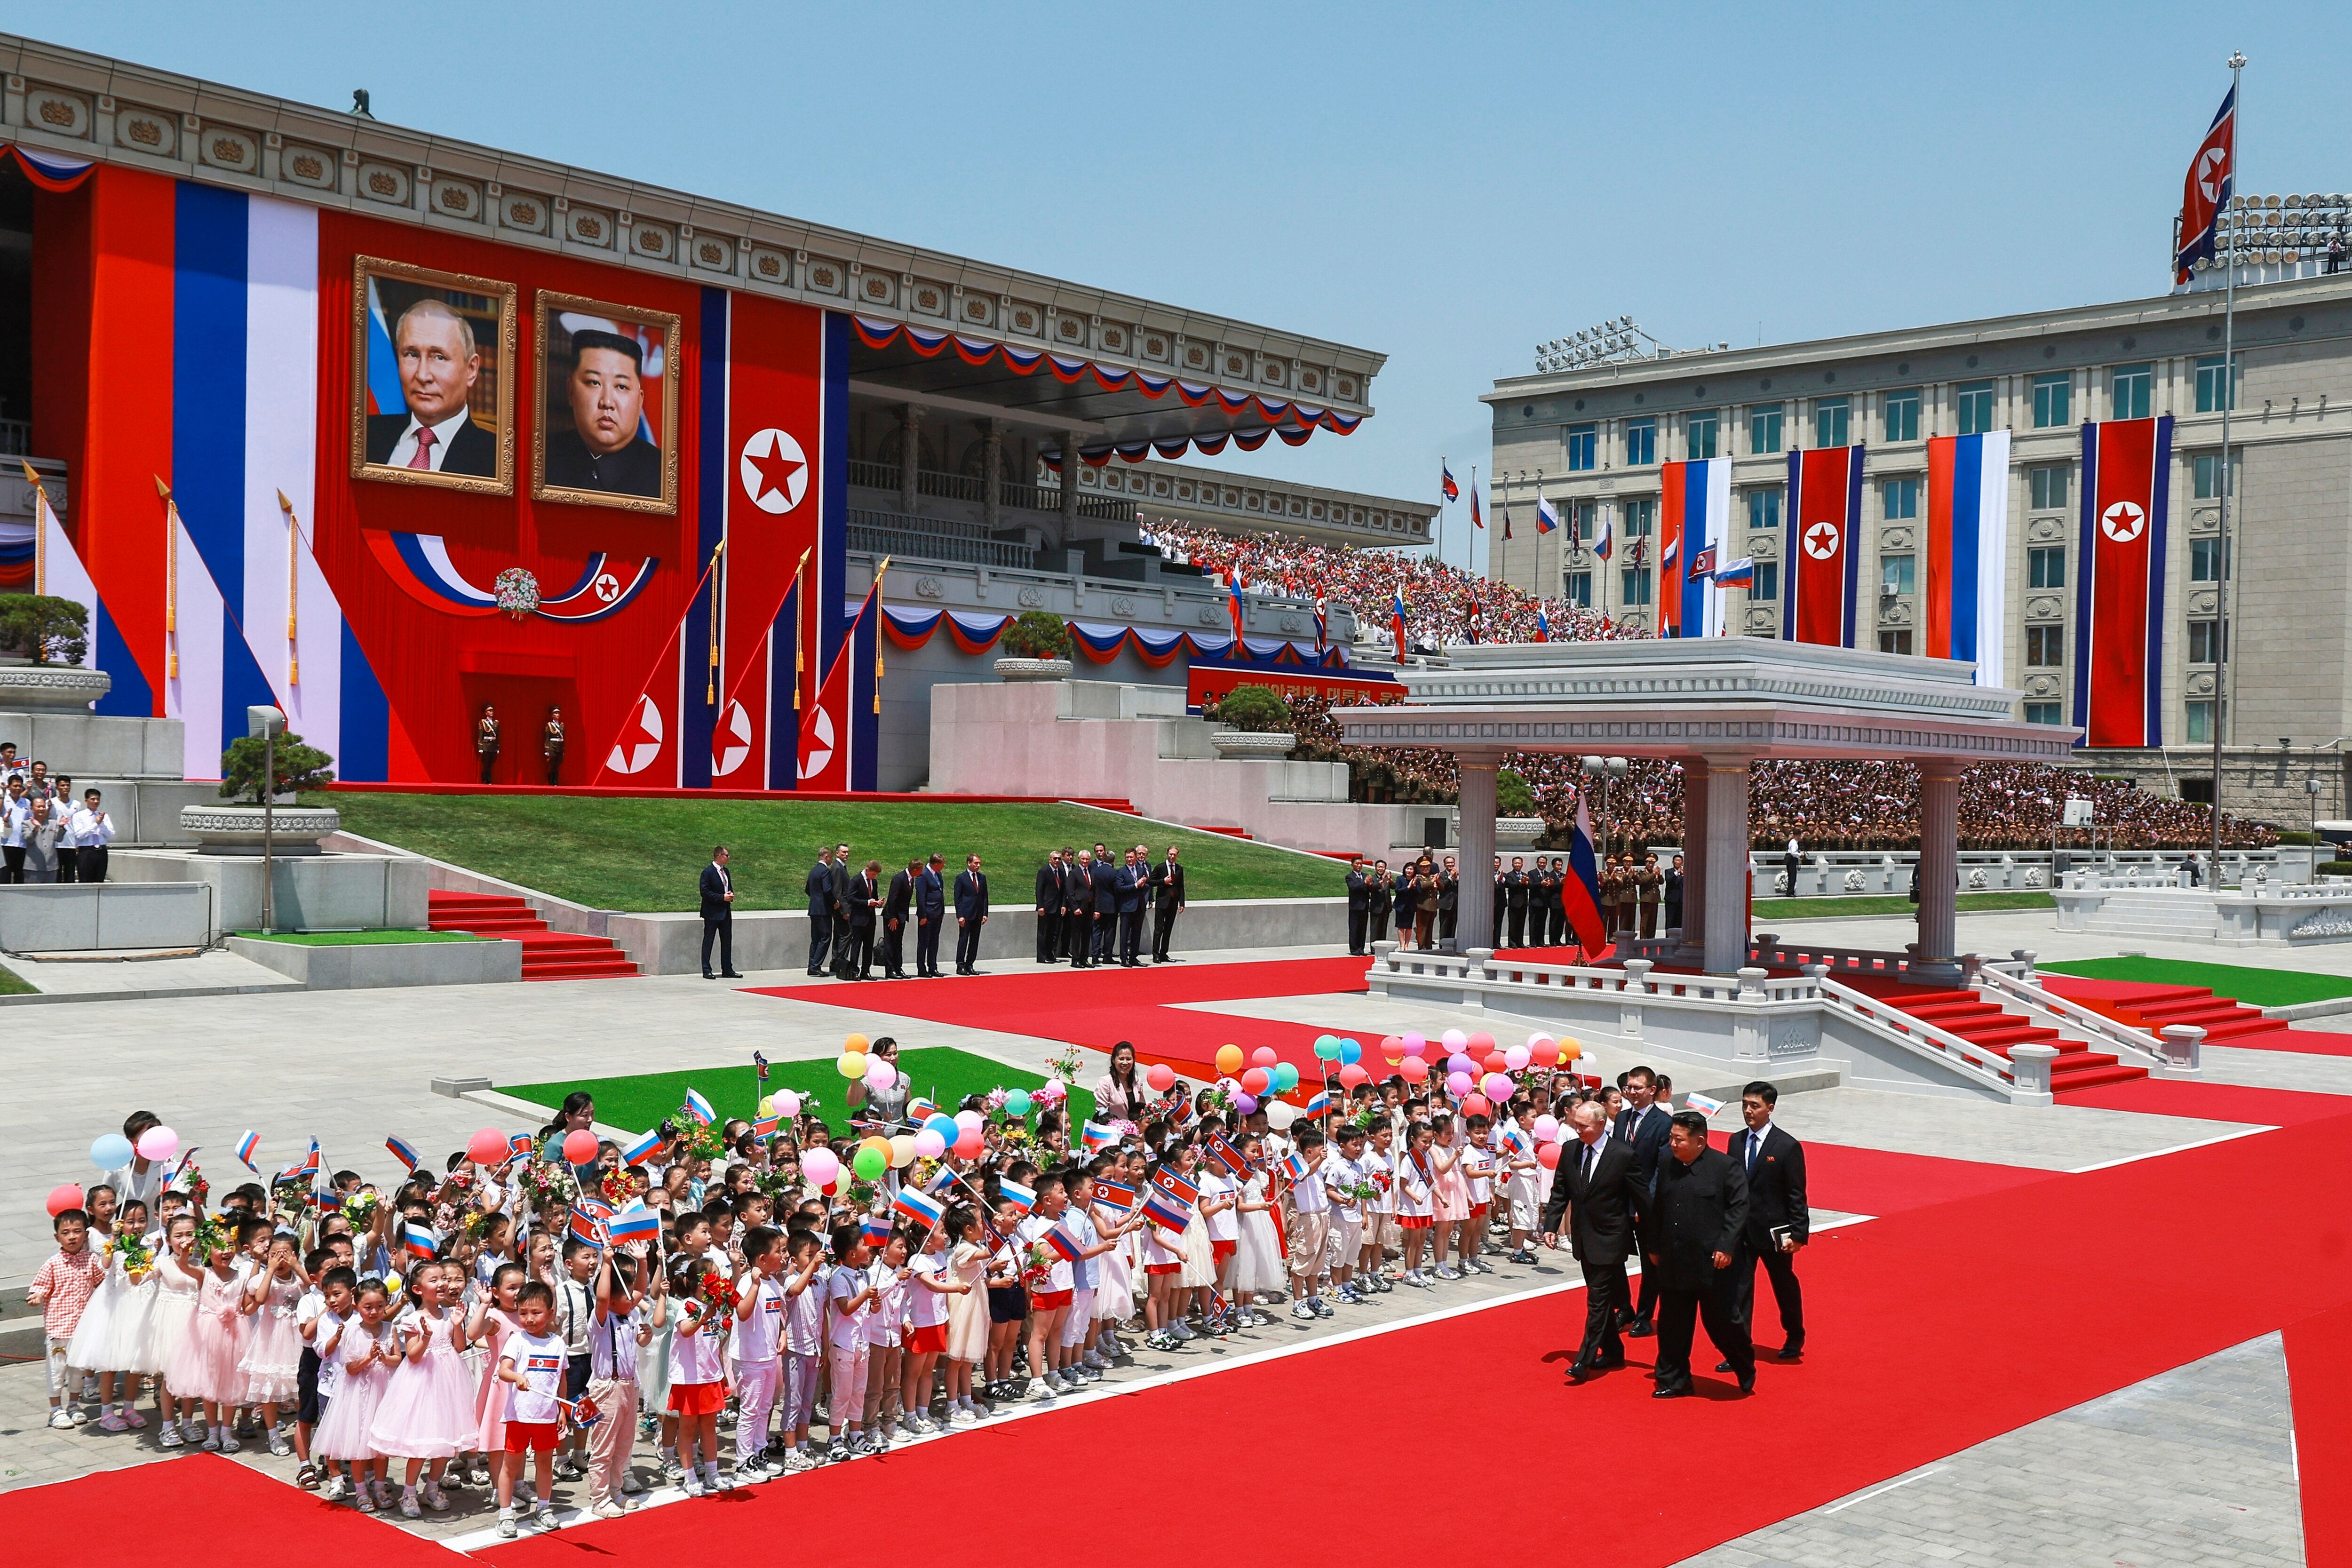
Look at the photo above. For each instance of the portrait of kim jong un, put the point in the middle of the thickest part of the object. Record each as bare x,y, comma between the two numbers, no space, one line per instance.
608,378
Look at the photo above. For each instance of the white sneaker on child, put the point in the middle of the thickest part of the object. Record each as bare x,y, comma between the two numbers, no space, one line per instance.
61,1418
506,1522
1303,1311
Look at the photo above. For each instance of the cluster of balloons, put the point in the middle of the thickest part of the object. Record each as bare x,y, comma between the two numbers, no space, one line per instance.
113,1151
857,1062
784,1103
1473,1068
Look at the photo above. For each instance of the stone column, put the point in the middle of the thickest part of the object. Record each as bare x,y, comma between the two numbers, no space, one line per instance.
1939,857
1070,466
1726,909
1475,909
1695,861
910,457
993,476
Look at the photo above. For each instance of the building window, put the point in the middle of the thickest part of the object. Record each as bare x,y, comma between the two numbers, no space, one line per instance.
1641,517
2131,391
2204,561
2045,713
1902,419
2046,647
2205,474
1897,574
2206,641
1582,440
2053,400
1637,585
2214,388
1641,442
1700,435
1829,422
1766,590
1975,401
1576,587
1584,516
2201,732
2048,487
1899,497
1764,431
1894,642
1764,508
2045,566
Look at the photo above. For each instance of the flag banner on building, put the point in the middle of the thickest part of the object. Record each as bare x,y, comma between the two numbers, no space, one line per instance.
1824,507
2206,191
2120,582
830,724
1580,890
1694,514
59,571
1964,598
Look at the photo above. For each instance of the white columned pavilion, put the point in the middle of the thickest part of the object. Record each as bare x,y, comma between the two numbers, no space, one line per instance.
1714,705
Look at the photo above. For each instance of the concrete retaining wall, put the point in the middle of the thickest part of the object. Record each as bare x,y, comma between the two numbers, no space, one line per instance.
312,892
363,965
77,917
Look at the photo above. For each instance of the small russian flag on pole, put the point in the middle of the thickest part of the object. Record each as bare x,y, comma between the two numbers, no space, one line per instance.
1097,1137
635,1223
419,1240
1701,1104
1020,1197
1066,1245
401,1150
877,1230
698,1108
643,1150
1294,1168
244,1148
919,1207
1320,1104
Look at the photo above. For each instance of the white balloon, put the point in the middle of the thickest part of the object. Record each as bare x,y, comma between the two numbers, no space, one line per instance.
1279,1114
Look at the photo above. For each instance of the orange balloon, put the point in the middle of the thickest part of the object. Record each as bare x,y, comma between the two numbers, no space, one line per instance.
855,1043
879,1145
1571,1051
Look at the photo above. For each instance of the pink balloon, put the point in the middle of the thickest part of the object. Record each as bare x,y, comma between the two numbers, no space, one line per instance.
1546,1125
970,1146
929,1145
1458,1083
971,1120
1537,1037
1160,1076
1516,1058
63,1198
788,1104
158,1144
1454,1039
1415,1070
880,1075
1265,1057
1415,1045
821,1166
580,1147
488,1147
1547,1156
1353,1074
1499,1088
1481,1043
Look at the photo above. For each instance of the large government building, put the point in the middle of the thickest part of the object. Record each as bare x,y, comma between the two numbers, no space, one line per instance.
1595,438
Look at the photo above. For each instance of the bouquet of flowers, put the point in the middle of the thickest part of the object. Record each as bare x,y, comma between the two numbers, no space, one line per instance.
715,1295
707,1143
776,1185
1050,1094
1221,1097
544,1183
211,1237
517,592
190,1178
477,1224
992,1103
360,1207
1037,1262
1016,1137
1066,1064
615,1187
860,1196
1350,1193
136,1256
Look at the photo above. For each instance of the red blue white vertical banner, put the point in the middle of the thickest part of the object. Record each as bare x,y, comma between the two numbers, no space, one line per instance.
1694,512
1967,551
1824,513
2120,582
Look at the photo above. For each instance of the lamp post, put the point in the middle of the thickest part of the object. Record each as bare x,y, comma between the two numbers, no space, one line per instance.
1604,769
265,725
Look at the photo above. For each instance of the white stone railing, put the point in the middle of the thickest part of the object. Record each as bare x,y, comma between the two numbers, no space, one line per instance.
1828,873
2053,1011
1965,1057
1769,951
2105,879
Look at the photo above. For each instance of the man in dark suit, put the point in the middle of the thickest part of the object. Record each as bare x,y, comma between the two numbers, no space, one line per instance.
897,906
1102,880
843,880
1449,903
820,909
718,915
1134,891
1543,898
1501,899
1674,896
1167,903
1697,1216
972,913
1514,897
1772,1163
865,897
1598,1187
1049,908
930,913
438,364
1359,905
1078,910
1642,1125
1556,913
605,391
1381,889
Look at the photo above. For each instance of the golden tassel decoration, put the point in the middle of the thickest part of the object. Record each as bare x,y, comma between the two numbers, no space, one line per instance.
293,590
40,531
171,581
800,657
878,571
710,681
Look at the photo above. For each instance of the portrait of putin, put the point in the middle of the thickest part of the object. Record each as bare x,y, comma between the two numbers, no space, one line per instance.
439,364
604,448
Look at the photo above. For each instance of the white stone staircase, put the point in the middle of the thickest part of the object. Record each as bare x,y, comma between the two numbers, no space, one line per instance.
2172,914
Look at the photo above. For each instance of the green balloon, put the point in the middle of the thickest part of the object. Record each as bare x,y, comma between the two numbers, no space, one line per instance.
1286,1077
870,1165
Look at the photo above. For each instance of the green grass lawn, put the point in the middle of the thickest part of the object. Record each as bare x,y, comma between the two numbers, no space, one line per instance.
2255,987
13,985
1769,910
359,938
618,853
638,1102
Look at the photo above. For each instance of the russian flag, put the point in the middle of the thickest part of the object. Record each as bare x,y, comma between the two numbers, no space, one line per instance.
1580,890
876,1229
403,1152
1964,600
1096,1137
1543,625
1233,608
418,1241
635,1223
244,1148
1066,1245
1396,621
1547,517
643,1150
1165,1212
1293,1167
1605,541
1020,1197
1703,1104
1476,520
1739,573
2119,586
919,1207
1693,513
698,1108
1320,1104
1823,510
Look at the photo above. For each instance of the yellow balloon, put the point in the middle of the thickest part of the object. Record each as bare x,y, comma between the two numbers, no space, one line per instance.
767,1105
902,1151
1229,1059
855,1044
852,1065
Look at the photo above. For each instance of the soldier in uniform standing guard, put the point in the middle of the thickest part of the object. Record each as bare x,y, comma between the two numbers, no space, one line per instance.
486,740
550,745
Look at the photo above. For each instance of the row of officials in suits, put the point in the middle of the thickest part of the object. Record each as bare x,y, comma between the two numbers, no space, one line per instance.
1701,1221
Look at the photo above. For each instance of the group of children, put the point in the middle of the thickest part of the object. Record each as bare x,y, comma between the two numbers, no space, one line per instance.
440,1335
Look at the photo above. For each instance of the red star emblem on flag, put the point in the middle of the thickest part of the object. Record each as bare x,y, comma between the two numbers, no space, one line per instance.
776,471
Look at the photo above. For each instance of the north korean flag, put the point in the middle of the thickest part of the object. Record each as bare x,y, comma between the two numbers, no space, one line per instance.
2119,584
825,732
1823,511
2206,191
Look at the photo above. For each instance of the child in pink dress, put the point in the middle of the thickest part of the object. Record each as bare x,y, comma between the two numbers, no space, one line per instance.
368,1348
204,1366
1451,1194
272,1361
492,1320
427,1415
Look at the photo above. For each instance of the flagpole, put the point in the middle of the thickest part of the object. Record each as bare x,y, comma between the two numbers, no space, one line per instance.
2228,476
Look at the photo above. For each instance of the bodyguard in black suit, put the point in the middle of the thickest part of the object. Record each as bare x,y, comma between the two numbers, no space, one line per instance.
864,894
1102,879
1515,896
1380,898
1772,1163
820,909
1697,1215
1078,910
1598,1187
1642,1125
972,913
1449,902
1167,903
898,904
1359,905
843,880
1134,891
1049,908
718,915
930,913
1502,897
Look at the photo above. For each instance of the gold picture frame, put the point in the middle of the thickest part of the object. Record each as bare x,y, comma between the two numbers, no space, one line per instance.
385,292
579,461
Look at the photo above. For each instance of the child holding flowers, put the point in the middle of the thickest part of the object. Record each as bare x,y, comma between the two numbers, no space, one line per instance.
204,1368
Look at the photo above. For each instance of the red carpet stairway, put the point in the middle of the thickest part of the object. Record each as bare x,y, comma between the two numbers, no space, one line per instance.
1967,1013
546,954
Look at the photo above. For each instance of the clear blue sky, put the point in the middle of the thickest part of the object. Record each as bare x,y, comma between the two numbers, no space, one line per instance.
1445,185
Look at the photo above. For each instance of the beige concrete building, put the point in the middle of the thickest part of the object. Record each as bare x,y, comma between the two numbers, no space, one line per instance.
1593,438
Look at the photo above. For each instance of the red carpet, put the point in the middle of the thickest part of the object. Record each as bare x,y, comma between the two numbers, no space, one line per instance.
2215,1101
1931,1330
2226,1021
2318,1372
199,1512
